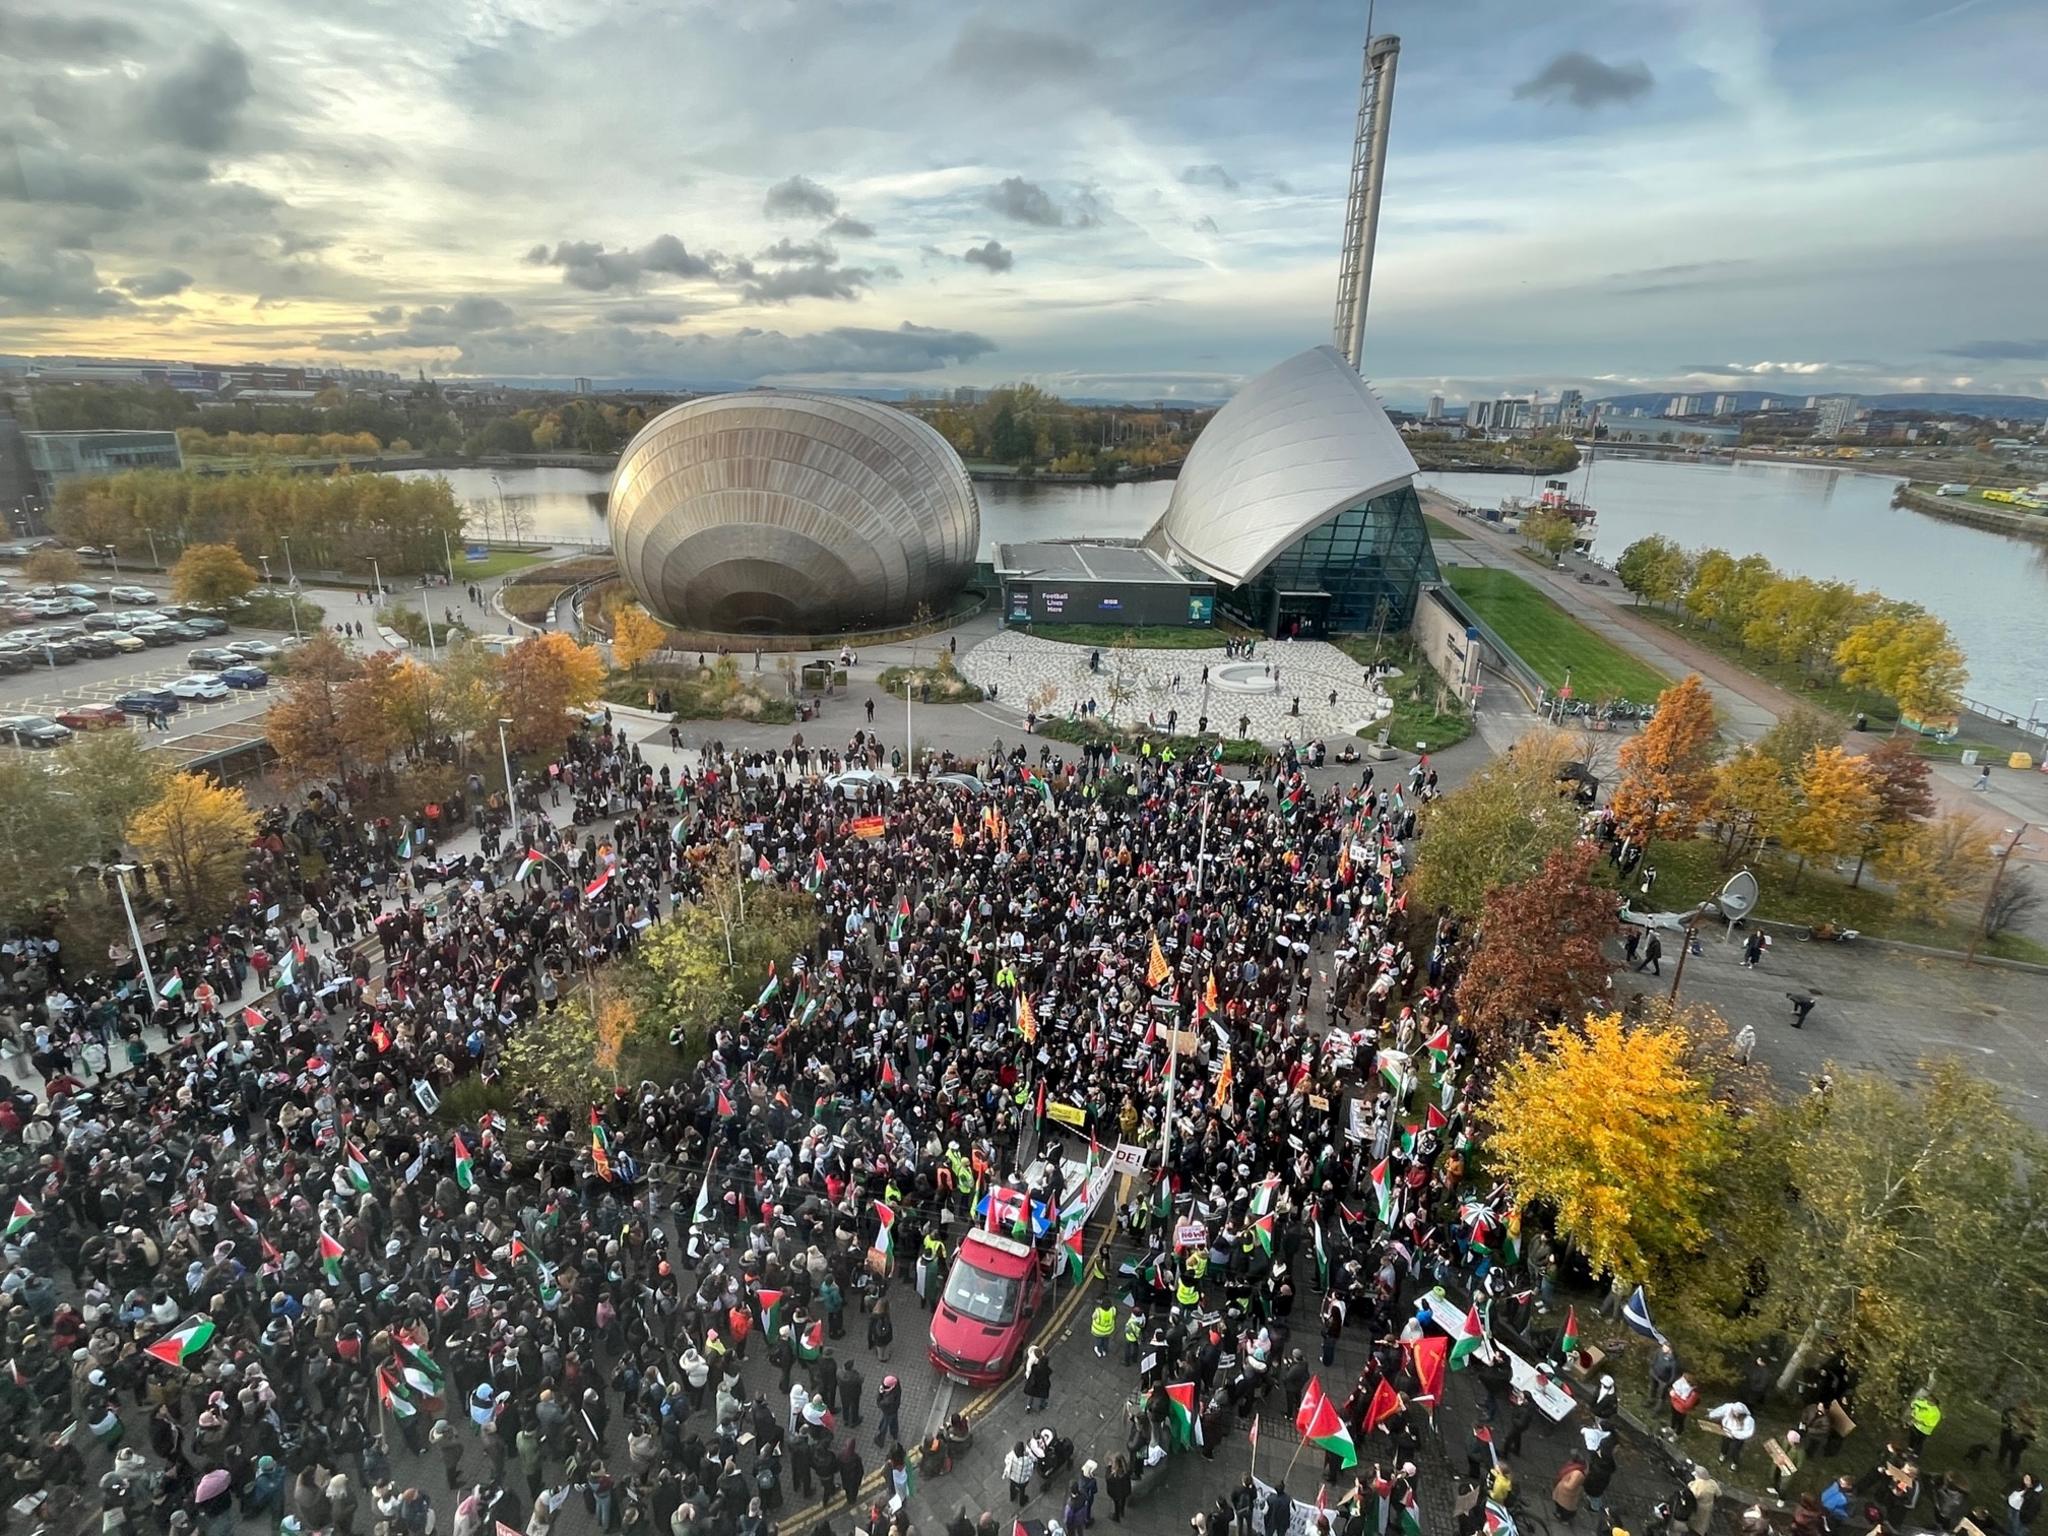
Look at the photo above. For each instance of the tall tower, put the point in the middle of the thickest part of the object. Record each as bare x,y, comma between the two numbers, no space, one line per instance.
1362,215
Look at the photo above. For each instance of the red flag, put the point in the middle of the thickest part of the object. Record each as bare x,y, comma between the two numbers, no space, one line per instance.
596,887
1386,1402
724,1105
253,1017
888,1072
380,1037
1431,1356
1436,1120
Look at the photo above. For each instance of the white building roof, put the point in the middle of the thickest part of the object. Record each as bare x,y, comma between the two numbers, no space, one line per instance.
1301,443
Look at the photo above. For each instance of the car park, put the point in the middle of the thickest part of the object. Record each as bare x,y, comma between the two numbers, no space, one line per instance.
91,717
187,632
12,660
101,623
148,701
254,650
212,659
200,685
245,677
33,731
76,605
56,653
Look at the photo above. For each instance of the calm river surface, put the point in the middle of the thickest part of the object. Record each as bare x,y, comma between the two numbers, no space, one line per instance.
1992,590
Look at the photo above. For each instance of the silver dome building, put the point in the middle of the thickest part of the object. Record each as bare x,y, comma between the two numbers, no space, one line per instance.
779,511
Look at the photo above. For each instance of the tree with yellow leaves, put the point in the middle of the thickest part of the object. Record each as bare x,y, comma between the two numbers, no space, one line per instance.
307,724
1836,806
1619,1131
1751,801
1667,768
636,635
201,832
1908,654
540,680
1933,864
211,575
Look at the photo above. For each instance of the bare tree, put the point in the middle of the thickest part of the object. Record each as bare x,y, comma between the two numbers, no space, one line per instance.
2015,901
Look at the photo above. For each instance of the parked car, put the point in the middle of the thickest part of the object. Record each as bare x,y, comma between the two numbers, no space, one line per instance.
212,658
207,624
200,685
33,731
91,717
131,594
245,677
157,634
77,604
187,631
13,660
93,645
102,623
58,653
77,589
148,701
254,650
123,642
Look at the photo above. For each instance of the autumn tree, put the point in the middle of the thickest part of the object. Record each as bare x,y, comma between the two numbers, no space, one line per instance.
1667,768
1722,588
1551,532
1898,777
1933,864
1752,802
469,682
1790,742
306,726
1917,1246
1498,827
43,836
1539,953
1636,1192
369,721
51,566
1909,655
201,831
542,679
211,575
636,635
1835,808
1654,568
109,776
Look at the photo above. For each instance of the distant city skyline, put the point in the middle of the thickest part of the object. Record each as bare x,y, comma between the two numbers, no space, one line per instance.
1619,199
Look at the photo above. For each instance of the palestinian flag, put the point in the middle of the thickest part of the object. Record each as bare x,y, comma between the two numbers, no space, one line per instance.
518,1251
252,1018
247,1221
550,1293
182,1342
1262,1197
1326,1432
1322,1255
808,1012
701,1213
358,1167
392,1393
1071,1241
532,862
1439,1047
24,1213
1311,1403
815,881
1411,1515
901,920
724,1105
285,977
1435,1119
1465,1341
1027,1021
600,1146
1511,1236
416,1361
1430,1354
1568,1341
885,1230
811,1342
465,1167
596,887
772,990
1180,1414
1383,1192
330,1257
771,1308
175,987
483,1271
1262,1229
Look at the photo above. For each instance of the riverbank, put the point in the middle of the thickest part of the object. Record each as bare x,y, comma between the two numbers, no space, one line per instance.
1973,514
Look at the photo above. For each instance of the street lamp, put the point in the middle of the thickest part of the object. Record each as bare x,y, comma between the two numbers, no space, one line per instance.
264,561
121,872
511,795
427,610
289,574
292,596
377,575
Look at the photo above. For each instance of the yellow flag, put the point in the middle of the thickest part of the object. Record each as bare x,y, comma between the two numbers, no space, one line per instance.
1027,1021
1157,971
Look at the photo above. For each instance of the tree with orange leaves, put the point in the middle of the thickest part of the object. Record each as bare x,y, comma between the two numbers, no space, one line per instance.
1539,954
1667,768
540,681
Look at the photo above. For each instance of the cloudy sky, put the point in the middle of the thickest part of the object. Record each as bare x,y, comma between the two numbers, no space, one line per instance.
1107,200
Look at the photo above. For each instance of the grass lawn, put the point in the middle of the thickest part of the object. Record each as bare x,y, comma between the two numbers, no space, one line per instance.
499,562
1415,717
1551,640
1191,638
1690,871
1443,528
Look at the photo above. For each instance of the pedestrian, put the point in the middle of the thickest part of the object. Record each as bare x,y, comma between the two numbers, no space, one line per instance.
1018,1468
1037,1380
1116,1483
1568,1491
888,1405
881,1329
1802,1005
1653,955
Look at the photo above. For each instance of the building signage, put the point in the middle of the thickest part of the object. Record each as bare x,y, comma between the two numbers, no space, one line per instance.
1053,602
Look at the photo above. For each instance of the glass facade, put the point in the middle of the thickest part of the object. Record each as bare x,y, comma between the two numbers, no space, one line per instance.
1362,568
61,456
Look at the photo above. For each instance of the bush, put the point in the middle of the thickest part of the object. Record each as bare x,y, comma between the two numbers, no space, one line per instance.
686,960
408,621
714,692
940,683
464,1102
276,613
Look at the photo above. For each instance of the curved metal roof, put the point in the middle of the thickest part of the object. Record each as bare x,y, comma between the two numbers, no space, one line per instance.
785,510
1301,443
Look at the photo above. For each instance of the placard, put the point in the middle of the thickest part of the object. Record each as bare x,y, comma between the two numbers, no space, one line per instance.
1127,1158
1190,1234
423,1090
1066,1114
1319,1104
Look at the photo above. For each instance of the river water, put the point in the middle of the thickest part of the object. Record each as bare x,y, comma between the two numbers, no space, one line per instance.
1812,521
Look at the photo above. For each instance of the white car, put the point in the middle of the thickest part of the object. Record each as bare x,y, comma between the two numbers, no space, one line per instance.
131,594
201,685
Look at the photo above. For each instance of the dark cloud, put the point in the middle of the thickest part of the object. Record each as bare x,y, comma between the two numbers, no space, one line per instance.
991,53
992,256
432,325
813,281
787,249
1680,274
53,282
196,103
36,173
302,245
847,227
1586,82
29,36
1209,176
161,284
1029,203
390,314
750,354
799,198
587,264
2035,351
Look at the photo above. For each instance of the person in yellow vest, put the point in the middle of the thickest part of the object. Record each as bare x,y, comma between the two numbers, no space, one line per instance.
1198,1264
1186,1293
1102,1324
1925,1414
1134,1334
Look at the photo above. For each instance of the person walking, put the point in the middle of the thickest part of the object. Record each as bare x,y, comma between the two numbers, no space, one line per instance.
888,1407
1653,954
1017,1469
1116,1482
1037,1381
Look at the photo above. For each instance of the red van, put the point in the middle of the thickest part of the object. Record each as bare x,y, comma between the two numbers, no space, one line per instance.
986,1310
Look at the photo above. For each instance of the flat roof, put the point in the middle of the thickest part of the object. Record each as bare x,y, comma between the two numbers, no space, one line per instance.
1087,562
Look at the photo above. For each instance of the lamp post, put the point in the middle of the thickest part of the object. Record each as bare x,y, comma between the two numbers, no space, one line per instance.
292,596
511,795
290,575
377,575
264,561
150,534
2012,846
427,610
134,932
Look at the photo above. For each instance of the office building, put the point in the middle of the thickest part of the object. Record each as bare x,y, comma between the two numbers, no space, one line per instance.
1682,405
59,456
582,386
1724,405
